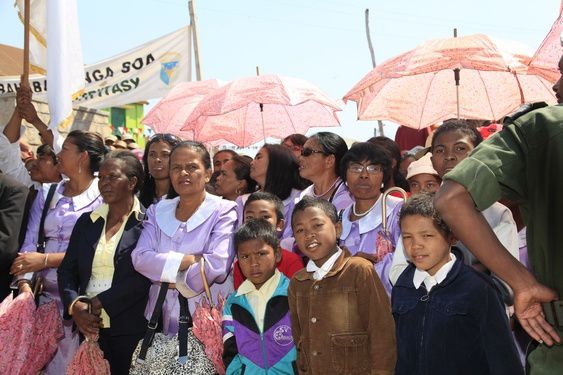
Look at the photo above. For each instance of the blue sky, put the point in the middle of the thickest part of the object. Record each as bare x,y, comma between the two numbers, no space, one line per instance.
322,41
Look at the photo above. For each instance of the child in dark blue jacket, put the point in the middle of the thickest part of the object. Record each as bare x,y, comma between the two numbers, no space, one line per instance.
257,336
449,318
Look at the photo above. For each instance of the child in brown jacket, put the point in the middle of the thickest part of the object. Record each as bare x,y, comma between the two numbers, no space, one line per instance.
340,314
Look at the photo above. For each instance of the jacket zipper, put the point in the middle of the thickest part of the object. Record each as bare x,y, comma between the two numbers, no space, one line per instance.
264,352
424,299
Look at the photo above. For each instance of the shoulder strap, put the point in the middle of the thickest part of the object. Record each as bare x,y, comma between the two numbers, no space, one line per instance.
41,235
335,190
153,323
184,324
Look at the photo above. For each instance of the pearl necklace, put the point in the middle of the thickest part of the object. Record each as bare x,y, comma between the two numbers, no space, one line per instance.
362,214
326,192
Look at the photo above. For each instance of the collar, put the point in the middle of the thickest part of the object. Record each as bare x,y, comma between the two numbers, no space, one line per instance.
293,197
248,287
320,272
165,213
103,210
79,201
423,276
372,220
341,261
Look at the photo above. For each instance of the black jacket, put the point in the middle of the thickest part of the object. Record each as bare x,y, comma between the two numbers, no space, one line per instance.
126,299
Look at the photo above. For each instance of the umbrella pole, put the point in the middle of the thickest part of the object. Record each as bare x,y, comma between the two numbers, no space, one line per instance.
456,77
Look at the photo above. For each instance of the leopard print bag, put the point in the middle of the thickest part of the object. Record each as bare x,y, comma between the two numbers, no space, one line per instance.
181,354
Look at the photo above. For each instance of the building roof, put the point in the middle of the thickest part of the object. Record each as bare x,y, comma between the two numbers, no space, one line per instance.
11,60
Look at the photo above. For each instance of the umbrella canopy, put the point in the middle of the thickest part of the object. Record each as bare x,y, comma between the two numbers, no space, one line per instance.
418,89
171,112
250,109
546,59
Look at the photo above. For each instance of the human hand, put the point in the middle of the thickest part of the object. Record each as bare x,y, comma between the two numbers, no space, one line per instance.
87,323
27,262
24,286
28,113
188,260
528,309
23,93
96,306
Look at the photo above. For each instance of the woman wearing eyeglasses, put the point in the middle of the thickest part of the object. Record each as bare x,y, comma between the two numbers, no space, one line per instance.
319,163
366,169
155,163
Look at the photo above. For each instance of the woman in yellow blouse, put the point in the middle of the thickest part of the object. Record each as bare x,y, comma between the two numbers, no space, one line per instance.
98,265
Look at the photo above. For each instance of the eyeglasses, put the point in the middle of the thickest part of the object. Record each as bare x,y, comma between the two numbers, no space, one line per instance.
306,152
370,169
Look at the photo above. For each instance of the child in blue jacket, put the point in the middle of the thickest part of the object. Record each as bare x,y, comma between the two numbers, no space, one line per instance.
449,318
257,335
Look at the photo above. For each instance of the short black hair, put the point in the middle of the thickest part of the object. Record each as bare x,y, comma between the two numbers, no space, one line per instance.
322,204
133,167
47,150
264,196
258,229
370,152
462,126
422,204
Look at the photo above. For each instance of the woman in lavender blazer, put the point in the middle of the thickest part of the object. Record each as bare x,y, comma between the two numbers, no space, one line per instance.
191,224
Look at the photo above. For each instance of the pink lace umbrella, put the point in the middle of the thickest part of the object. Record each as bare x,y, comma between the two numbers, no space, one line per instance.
545,61
28,336
207,327
418,88
250,109
171,112
89,358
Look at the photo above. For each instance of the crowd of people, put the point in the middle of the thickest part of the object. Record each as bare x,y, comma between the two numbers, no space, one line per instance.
293,239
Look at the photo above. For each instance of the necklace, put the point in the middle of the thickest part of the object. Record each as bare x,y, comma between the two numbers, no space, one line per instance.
362,214
326,192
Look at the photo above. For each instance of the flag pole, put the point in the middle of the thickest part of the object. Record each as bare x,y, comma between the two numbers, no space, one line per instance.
193,22
27,16
373,64
456,77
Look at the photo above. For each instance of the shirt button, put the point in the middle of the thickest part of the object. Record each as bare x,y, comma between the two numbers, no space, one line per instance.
315,353
313,320
316,287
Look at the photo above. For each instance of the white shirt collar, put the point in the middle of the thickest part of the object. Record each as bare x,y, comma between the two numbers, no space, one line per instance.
166,214
79,201
372,220
320,272
430,281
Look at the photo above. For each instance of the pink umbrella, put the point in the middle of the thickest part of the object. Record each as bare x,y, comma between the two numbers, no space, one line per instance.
418,88
170,113
546,59
250,109
28,337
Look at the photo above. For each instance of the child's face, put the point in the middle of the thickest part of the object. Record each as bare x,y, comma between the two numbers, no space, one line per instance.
315,234
424,182
449,149
425,244
262,209
257,261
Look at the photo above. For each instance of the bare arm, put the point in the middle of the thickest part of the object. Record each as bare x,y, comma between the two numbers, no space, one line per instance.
457,208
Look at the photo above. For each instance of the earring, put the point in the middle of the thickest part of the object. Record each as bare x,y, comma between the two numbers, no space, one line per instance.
382,185
79,168
237,192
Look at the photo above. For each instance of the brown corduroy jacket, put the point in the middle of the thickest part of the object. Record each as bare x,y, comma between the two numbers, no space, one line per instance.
342,324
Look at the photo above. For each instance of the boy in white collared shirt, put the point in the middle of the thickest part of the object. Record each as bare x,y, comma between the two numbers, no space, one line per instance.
449,318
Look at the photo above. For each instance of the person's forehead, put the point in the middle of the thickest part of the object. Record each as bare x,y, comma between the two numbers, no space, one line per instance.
261,205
